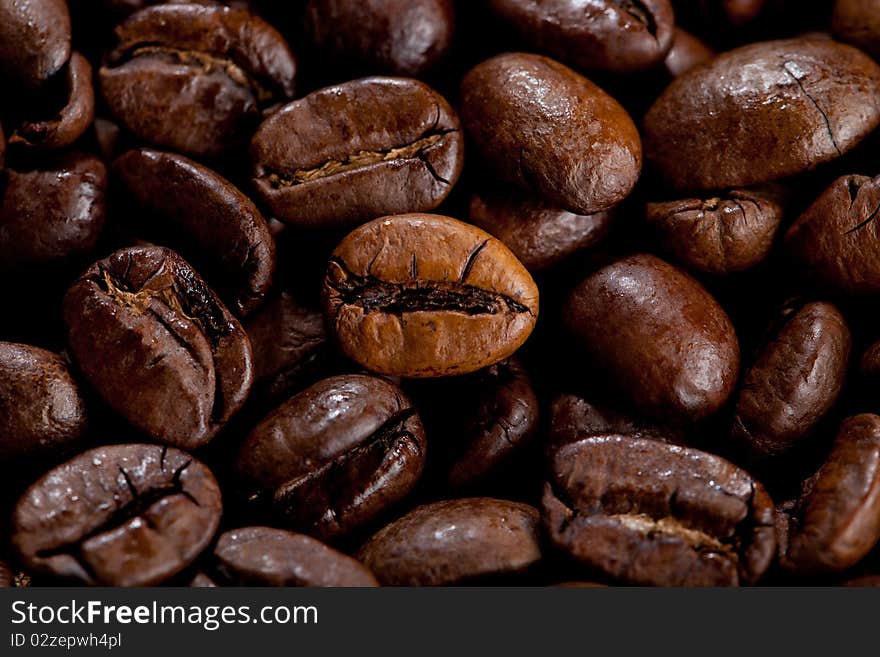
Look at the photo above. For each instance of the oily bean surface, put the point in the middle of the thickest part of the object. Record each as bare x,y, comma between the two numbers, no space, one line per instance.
34,40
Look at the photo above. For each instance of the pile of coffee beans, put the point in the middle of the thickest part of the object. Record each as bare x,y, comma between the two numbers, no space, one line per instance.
439,292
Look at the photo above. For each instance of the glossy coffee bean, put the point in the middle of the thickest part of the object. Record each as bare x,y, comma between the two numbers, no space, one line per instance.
858,22
721,234
644,512
795,380
735,13
539,235
42,410
573,417
356,151
400,37
870,361
836,241
687,52
666,343
540,125
262,556
837,519
423,295
194,78
335,456
607,35
762,112
34,40
454,542
124,515
207,218
52,213
158,345
74,116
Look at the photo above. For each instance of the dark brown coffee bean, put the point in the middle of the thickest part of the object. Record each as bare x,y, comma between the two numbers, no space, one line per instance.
423,295
837,519
53,213
225,229
158,345
350,153
644,512
736,13
540,125
572,417
290,348
687,52
621,36
666,343
858,22
41,408
193,78
72,119
870,362
837,239
539,235
720,234
452,542
335,456
34,40
261,556
762,112
202,581
795,381
402,37
124,515
6,576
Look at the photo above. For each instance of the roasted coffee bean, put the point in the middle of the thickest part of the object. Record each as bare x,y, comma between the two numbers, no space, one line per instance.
261,556
736,13
423,295
837,239
719,234
687,52
543,127
158,345
401,37
858,22
870,362
42,410
6,576
644,512
620,36
335,456
667,344
350,153
539,235
837,519
193,78
225,229
53,213
34,40
290,348
795,380
572,417
762,112
72,119
124,515
202,581
456,541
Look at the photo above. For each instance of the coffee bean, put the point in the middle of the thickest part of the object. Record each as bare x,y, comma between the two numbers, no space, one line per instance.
6,576
402,37
870,362
644,512
735,13
858,22
837,239
572,417
124,515
837,519
202,581
543,127
350,153
424,295
539,235
261,556
335,456
796,379
53,213
620,36
687,52
34,40
666,343
453,542
2,148
225,229
42,410
158,345
762,112
719,234
193,78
